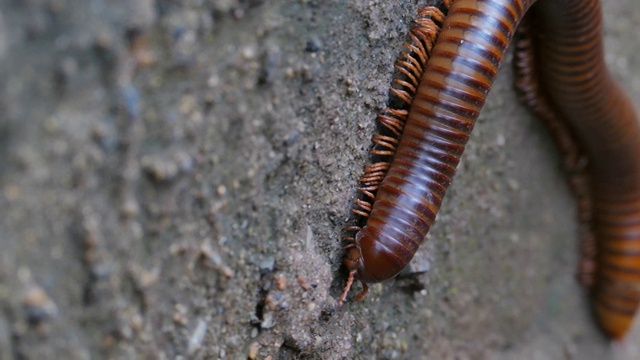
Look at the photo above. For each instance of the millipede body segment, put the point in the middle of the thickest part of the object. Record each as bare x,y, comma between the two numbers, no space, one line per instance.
444,78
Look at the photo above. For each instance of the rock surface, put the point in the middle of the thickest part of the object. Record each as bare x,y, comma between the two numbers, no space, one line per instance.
174,177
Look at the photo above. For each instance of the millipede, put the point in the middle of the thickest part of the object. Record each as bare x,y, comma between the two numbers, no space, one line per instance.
443,77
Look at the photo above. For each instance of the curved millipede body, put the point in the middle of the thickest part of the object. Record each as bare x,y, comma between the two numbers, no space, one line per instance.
563,78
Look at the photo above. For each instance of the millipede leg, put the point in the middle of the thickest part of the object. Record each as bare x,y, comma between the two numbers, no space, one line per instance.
363,292
347,287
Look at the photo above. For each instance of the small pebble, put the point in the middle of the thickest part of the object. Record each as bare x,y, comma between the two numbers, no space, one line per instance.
281,281
291,138
302,281
253,350
268,321
314,44
267,265
38,306
195,341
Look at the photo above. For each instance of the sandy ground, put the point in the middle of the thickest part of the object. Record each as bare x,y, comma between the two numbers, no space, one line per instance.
175,175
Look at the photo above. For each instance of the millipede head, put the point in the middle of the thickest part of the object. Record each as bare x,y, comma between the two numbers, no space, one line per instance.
352,259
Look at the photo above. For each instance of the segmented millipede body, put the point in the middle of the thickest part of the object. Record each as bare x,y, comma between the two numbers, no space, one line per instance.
561,75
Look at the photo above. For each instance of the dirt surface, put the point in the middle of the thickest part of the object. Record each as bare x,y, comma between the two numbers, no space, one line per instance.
175,175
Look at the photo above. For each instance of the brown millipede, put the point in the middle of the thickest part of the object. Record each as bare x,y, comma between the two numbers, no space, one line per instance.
562,76
410,68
